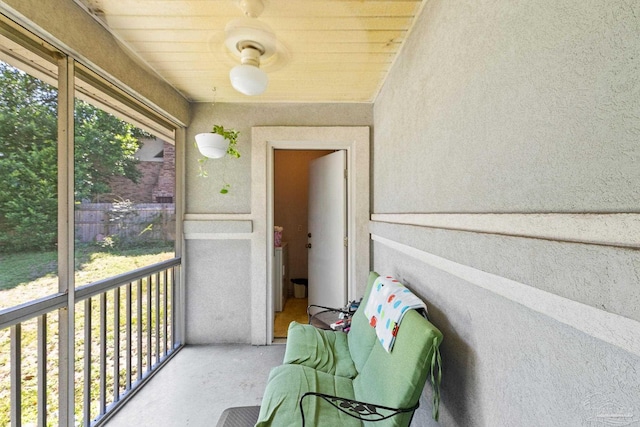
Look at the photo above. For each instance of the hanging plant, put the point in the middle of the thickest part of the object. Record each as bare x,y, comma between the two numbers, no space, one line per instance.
214,145
232,136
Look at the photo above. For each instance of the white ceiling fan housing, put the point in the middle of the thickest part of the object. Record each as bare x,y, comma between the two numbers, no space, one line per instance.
251,41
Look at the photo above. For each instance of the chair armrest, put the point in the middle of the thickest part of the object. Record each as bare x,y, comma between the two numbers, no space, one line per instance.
361,410
321,321
324,309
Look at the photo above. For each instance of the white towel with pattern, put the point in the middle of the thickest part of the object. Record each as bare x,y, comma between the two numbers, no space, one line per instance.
388,301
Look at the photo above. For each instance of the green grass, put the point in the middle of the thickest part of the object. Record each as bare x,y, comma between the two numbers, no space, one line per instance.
90,266
27,276
21,268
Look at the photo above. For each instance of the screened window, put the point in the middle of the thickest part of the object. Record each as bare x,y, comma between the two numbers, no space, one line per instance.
87,193
124,210
28,176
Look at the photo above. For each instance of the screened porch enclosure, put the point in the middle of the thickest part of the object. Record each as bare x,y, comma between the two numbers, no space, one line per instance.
503,188
90,267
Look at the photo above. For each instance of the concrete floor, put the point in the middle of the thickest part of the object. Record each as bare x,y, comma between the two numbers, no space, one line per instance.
198,384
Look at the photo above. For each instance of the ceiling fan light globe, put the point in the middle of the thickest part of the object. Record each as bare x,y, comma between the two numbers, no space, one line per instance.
248,79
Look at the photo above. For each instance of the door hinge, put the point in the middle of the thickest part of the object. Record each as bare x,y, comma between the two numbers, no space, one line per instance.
346,241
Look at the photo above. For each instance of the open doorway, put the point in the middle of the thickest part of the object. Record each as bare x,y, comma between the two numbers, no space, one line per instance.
290,211
265,140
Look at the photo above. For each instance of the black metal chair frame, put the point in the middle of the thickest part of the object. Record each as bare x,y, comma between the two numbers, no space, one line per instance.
360,410
310,316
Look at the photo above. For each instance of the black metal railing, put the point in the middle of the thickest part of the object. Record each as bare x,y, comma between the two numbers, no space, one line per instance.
124,329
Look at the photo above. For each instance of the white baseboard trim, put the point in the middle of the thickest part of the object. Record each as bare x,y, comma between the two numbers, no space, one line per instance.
218,217
218,228
614,329
615,229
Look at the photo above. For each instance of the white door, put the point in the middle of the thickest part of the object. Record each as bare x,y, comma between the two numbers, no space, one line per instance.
327,253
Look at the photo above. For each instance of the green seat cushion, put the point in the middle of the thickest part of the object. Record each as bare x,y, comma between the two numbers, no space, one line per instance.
287,384
326,351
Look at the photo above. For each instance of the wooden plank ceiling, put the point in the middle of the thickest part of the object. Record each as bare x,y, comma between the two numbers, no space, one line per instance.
331,50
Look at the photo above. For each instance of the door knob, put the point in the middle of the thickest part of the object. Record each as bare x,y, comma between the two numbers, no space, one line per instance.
308,245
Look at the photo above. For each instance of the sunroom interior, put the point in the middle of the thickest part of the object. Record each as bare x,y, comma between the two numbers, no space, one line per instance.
493,167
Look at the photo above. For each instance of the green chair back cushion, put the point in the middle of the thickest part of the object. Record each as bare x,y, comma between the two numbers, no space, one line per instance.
362,337
397,379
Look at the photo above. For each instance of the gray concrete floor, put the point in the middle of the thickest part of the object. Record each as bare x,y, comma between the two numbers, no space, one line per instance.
198,384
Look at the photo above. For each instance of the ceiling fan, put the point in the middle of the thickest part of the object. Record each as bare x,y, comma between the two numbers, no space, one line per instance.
253,42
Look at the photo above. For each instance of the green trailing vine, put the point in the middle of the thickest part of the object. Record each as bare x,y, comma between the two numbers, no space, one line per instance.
232,150
232,136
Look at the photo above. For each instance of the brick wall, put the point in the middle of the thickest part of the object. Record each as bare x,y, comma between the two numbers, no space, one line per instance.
166,182
157,180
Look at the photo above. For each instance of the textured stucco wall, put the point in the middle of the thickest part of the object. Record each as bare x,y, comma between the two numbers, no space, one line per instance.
217,291
517,107
513,107
202,194
505,365
220,226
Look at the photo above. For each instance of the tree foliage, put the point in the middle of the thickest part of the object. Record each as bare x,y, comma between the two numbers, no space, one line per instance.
103,148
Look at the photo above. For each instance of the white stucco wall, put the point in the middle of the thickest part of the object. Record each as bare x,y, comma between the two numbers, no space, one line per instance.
219,228
518,108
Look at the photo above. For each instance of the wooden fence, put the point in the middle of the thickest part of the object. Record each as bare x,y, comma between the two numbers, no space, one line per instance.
143,221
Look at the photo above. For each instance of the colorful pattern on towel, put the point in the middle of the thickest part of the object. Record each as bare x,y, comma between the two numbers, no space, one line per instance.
388,301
